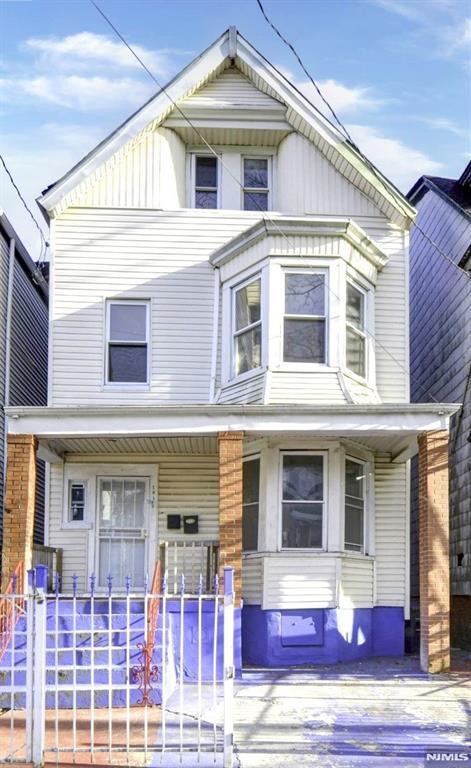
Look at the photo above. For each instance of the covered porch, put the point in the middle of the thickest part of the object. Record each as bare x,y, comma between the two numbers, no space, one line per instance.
182,471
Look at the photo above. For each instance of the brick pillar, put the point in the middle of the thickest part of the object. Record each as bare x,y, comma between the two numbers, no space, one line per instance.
434,552
18,519
230,504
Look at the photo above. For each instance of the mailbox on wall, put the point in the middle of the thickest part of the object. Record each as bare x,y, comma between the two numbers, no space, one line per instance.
190,524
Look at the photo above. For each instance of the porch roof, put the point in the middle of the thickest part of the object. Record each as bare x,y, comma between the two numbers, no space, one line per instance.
147,429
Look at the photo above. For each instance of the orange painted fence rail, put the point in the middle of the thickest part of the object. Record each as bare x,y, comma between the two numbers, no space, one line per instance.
11,607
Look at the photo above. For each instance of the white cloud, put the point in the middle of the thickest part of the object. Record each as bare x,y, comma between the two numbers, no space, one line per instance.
444,124
399,162
78,92
87,49
343,98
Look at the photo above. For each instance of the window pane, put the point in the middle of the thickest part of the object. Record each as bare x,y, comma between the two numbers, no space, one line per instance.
255,201
303,478
127,363
128,322
302,525
355,352
304,294
206,172
251,481
353,527
304,341
255,173
206,199
355,307
248,350
77,502
248,305
354,479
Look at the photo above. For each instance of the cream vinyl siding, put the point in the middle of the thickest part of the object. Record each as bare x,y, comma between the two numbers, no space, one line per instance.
305,388
391,522
249,390
187,485
299,582
252,575
357,583
104,253
230,90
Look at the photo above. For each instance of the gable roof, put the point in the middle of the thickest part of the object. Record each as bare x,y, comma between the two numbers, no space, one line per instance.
456,192
232,49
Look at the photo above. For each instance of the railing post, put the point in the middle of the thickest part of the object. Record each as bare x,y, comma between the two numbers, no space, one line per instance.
228,664
39,671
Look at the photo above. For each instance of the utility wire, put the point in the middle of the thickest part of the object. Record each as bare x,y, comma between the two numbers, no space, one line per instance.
44,242
265,214
354,145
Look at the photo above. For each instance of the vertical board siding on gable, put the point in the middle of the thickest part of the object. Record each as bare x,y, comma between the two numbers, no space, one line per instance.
4,260
188,485
440,306
390,530
145,254
356,586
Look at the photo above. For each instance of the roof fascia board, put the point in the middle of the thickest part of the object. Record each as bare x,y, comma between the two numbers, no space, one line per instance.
344,228
185,81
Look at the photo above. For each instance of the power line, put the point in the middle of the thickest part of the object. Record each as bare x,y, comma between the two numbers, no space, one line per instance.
44,242
355,146
265,214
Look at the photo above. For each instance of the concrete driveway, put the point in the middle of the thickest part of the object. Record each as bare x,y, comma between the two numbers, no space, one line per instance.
375,713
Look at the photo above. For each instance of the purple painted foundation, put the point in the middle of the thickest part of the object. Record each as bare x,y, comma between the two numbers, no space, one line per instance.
320,636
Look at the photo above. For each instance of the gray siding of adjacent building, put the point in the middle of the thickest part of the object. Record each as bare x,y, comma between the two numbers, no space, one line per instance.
440,325
28,357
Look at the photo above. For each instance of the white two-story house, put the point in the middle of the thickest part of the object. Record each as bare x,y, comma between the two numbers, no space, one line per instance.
229,367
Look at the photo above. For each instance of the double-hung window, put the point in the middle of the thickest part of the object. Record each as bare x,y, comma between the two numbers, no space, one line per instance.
356,336
355,476
304,333
127,342
206,181
303,499
250,504
256,183
247,327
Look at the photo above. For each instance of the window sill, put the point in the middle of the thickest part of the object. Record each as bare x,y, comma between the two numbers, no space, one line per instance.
304,368
122,387
82,526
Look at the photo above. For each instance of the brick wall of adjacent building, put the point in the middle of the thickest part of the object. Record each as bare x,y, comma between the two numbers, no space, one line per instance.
18,523
434,572
230,504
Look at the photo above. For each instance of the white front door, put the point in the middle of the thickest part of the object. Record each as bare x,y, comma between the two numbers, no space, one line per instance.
122,504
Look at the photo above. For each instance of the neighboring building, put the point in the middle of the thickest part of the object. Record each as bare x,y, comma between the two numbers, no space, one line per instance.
23,347
229,367
440,343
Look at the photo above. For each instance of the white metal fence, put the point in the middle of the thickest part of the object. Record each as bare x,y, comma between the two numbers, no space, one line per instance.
119,677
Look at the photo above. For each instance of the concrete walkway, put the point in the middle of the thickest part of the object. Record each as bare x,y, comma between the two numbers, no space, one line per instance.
363,715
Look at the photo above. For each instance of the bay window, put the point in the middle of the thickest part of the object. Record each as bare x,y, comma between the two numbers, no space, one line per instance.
355,476
356,336
304,332
302,500
250,503
127,342
247,327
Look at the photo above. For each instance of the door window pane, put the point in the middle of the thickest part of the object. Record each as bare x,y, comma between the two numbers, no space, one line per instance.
302,501
354,505
250,504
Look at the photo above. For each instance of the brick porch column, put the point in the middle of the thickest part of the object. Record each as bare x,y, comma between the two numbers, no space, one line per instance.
18,519
230,504
434,552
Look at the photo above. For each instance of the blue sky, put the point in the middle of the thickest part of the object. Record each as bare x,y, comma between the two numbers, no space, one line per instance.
397,72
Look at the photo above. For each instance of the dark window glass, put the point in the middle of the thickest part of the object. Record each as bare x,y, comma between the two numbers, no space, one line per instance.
304,294
248,328
77,502
302,502
206,172
354,505
205,199
304,341
250,504
248,350
127,363
255,201
248,304
128,322
255,173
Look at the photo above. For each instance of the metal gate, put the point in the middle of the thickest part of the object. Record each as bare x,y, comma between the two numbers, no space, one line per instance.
115,676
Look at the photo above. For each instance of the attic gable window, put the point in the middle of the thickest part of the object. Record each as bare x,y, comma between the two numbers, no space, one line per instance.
206,181
127,342
256,185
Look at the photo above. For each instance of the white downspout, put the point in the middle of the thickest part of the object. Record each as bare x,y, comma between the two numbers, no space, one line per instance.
11,267
214,351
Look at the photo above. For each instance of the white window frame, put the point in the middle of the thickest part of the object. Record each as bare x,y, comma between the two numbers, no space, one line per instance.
325,501
234,333
193,156
268,190
139,385
303,366
67,521
365,465
363,333
255,457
